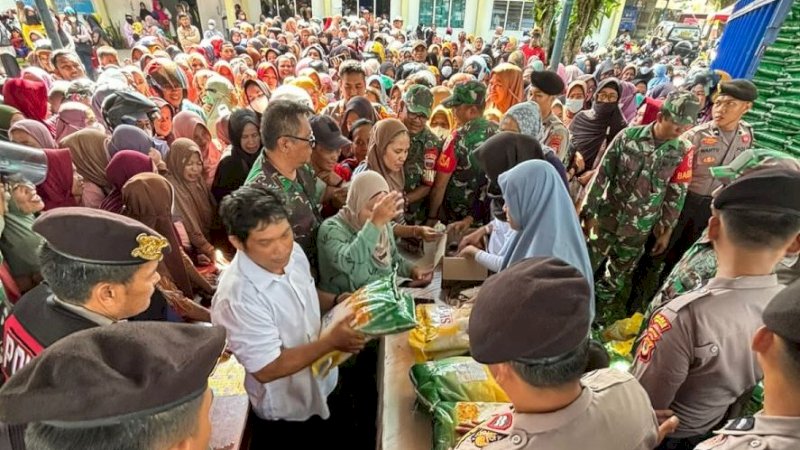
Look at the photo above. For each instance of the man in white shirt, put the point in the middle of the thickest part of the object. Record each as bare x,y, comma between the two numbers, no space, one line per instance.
267,302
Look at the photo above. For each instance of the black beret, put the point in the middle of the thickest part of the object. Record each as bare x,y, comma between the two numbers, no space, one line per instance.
782,314
739,89
548,82
763,190
99,237
106,375
535,309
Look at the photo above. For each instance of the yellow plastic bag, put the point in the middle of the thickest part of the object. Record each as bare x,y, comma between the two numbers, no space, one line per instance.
441,332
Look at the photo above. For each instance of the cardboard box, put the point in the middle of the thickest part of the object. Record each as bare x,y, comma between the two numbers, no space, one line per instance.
463,269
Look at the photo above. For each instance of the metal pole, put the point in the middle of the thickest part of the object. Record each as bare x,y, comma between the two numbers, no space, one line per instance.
561,35
49,24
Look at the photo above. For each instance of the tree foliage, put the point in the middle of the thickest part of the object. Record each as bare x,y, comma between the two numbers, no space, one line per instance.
586,16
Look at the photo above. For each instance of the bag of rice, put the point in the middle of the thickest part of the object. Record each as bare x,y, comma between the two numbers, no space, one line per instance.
380,309
456,379
451,420
441,332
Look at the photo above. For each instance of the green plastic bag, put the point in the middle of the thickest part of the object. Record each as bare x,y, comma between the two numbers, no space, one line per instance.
450,417
457,379
380,309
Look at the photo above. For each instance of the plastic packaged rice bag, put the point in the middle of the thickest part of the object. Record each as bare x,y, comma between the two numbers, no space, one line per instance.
451,420
457,379
441,332
380,309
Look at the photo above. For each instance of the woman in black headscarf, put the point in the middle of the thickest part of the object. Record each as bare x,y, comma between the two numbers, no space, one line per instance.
245,146
592,130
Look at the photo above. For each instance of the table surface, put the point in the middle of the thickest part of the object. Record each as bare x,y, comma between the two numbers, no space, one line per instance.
402,426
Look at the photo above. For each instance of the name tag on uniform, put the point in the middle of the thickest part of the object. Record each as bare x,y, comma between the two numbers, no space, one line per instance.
709,140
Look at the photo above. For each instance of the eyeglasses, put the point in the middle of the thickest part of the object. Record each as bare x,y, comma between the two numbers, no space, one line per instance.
607,98
312,141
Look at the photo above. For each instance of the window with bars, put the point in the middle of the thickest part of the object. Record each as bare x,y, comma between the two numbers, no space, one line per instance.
513,15
442,13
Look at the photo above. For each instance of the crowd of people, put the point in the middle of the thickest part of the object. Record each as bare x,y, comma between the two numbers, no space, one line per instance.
255,180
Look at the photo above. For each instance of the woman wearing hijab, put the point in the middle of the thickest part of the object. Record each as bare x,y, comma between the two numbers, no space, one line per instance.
306,83
195,204
224,68
37,74
357,108
359,135
505,87
149,198
187,124
122,167
525,118
592,130
245,137
19,244
539,208
162,125
88,151
497,155
591,87
62,186
442,122
575,101
659,77
255,96
356,245
75,116
627,100
29,97
129,137
220,98
31,133
268,74
388,150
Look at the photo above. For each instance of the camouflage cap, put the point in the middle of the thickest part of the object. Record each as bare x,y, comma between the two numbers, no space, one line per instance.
469,93
418,100
682,107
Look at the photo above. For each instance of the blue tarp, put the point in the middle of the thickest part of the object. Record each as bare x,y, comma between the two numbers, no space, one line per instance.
751,28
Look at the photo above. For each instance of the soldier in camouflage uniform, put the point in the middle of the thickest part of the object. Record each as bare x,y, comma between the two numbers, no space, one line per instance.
459,188
303,192
640,189
419,168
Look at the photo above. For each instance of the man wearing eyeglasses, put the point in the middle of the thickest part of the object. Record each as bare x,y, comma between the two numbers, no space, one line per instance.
288,141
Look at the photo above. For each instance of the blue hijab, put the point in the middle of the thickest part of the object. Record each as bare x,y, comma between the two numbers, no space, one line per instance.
548,225
659,76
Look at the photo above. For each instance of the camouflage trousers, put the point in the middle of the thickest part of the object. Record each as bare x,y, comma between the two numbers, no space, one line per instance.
613,262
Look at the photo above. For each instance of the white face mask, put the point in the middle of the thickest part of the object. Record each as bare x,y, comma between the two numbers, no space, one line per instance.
259,105
447,71
443,133
574,105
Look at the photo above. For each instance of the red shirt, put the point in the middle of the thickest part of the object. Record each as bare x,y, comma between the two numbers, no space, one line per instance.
533,51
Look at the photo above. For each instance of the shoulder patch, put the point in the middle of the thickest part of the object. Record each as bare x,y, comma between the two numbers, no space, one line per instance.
500,422
741,424
659,324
